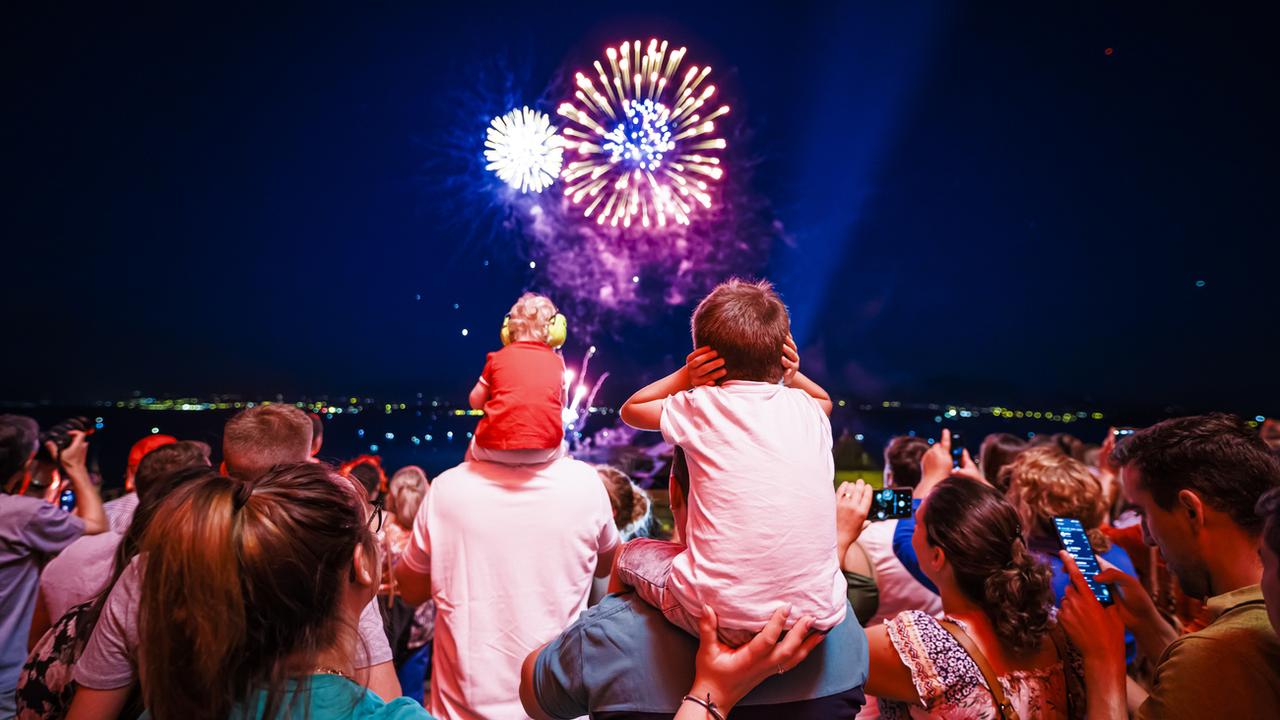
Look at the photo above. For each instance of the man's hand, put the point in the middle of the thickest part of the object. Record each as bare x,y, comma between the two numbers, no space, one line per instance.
75,455
790,361
727,674
936,466
853,502
705,367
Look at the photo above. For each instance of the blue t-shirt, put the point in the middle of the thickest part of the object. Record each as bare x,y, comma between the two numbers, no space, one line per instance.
31,531
907,554
622,659
333,697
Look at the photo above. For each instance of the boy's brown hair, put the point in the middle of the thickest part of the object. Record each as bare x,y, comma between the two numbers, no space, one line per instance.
747,324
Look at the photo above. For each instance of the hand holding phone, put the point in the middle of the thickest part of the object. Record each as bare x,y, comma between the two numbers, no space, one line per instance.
1076,542
890,504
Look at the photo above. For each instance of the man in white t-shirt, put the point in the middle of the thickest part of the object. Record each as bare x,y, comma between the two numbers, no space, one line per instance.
508,554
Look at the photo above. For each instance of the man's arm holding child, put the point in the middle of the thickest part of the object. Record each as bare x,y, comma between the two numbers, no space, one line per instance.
643,410
792,377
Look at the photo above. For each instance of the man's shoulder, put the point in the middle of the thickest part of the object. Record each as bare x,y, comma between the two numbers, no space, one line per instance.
1238,636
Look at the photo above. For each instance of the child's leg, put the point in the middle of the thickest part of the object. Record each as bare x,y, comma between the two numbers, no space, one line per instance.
644,565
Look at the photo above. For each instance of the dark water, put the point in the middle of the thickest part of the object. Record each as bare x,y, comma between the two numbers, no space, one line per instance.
864,428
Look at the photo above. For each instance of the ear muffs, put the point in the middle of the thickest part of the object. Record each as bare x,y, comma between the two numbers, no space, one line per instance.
557,331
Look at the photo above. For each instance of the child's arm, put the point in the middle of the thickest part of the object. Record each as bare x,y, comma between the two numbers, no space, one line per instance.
643,410
479,395
792,377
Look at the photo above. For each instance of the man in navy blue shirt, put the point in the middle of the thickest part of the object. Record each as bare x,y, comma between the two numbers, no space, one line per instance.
622,659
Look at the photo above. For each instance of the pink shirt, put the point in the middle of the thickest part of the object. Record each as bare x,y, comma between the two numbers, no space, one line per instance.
511,551
110,660
762,519
78,573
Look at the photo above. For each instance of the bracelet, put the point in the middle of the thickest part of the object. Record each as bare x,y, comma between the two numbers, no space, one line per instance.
710,706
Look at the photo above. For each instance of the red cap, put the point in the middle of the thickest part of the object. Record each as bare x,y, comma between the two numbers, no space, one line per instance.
144,447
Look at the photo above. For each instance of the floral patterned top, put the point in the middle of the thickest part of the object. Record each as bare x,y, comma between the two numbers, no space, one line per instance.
951,685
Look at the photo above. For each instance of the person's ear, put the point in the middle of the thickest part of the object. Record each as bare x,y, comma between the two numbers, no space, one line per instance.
1193,506
937,559
363,566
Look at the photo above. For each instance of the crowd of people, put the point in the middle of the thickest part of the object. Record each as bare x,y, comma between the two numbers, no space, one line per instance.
265,582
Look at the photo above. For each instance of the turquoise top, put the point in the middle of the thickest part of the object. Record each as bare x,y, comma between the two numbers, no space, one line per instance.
333,697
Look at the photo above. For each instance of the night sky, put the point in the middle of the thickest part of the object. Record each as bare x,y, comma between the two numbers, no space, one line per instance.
974,203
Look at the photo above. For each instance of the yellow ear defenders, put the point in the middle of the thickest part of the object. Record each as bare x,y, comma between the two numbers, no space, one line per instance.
557,331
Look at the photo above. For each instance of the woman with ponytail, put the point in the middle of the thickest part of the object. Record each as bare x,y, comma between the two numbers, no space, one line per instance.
996,623
252,595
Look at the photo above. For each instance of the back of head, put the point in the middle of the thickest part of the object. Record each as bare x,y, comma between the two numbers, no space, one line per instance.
981,538
1216,456
259,438
243,579
747,324
902,456
367,470
18,438
405,493
529,318
1044,484
166,460
998,450
145,447
630,503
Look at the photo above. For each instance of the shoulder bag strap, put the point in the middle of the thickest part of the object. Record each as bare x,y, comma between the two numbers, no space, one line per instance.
1074,687
1003,706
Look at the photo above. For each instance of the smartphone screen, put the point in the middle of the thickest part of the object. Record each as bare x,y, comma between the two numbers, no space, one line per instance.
957,450
67,500
1076,543
890,504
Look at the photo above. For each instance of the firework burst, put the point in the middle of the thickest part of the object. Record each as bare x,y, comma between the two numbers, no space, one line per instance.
524,150
642,150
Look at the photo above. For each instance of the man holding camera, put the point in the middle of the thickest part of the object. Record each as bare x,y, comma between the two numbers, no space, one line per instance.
32,530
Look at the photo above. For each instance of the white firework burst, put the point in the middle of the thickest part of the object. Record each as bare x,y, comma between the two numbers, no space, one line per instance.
524,150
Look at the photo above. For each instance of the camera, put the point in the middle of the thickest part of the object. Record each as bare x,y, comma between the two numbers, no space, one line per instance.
60,436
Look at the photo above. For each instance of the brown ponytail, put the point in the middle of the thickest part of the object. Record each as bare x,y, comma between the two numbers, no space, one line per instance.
980,534
237,579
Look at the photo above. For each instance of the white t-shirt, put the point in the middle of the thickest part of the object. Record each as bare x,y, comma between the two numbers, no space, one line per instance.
897,589
78,573
511,551
762,519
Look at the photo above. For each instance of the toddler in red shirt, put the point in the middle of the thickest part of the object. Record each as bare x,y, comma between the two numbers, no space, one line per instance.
521,389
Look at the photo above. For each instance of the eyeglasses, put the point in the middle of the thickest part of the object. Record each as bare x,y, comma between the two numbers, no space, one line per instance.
379,510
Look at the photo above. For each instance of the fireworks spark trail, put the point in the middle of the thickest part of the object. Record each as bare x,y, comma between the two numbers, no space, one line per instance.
640,150
524,150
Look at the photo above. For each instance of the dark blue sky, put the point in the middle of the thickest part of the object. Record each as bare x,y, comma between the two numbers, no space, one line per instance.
979,203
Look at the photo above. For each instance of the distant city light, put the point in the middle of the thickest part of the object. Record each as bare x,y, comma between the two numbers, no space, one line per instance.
373,448
389,436
155,431
464,332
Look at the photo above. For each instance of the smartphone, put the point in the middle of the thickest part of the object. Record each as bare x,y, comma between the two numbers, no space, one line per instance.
1121,433
1076,543
890,504
957,450
67,500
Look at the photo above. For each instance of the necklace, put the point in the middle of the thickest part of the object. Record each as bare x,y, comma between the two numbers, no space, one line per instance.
324,670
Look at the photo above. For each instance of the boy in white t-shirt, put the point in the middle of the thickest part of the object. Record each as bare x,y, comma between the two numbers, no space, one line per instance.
757,439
